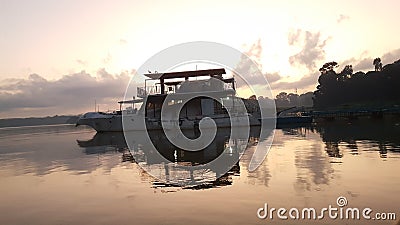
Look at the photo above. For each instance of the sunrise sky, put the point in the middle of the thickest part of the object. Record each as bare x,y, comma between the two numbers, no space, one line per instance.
57,57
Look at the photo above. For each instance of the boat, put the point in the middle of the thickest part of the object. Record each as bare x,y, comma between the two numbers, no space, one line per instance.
108,121
170,91
293,117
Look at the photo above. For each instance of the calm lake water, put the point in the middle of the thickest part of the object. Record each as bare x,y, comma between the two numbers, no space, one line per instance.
68,175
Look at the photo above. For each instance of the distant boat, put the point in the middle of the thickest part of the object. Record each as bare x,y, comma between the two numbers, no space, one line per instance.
292,116
294,120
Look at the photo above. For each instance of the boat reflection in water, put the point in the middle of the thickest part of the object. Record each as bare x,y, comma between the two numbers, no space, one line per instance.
107,142
225,145
339,138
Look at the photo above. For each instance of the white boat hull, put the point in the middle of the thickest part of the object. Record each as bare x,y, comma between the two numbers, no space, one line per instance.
132,122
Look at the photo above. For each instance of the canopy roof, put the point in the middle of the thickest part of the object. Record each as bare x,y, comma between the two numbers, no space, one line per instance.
185,74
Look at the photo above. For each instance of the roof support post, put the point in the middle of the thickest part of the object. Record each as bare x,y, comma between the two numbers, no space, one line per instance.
162,86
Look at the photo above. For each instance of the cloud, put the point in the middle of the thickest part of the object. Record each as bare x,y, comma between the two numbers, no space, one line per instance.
123,41
71,94
312,52
294,37
75,93
81,62
342,18
250,66
308,81
107,59
312,48
272,77
365,63
254,53
391,56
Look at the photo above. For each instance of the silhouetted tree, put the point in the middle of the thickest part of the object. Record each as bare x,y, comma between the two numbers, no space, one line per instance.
293,99
282,99
347,71
358,75
306,99
327,82
329,66
253,97
378,64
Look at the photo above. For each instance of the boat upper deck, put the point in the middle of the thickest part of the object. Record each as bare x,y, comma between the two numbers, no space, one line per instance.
181,82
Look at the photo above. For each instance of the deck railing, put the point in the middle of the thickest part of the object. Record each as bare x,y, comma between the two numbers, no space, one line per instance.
152,90
149,90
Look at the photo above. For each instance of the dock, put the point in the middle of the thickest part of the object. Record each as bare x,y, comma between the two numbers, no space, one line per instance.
353,114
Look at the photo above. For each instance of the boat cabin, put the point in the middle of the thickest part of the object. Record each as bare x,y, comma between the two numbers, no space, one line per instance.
180,83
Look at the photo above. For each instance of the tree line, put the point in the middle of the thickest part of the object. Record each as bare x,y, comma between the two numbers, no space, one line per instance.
286,100
377,88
